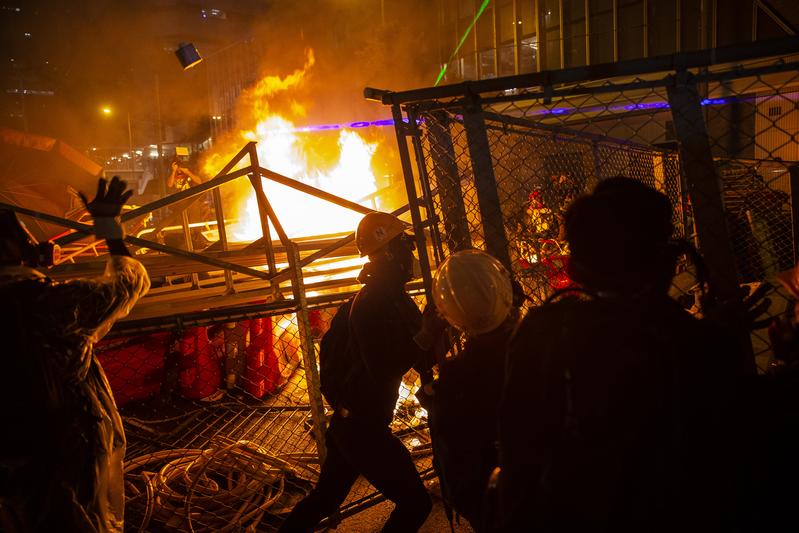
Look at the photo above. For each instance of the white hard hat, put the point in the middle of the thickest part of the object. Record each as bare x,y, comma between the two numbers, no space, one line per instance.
473,291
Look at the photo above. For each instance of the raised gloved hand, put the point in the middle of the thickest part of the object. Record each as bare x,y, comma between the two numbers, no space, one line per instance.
106,206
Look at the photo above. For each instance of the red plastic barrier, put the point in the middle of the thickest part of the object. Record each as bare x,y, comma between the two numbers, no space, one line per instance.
319,323
200,371
259,364
555,269
271,355
134,366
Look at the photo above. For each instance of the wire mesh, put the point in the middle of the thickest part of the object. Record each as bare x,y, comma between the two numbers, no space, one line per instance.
219,427
539,168
538,148
753,139
218,423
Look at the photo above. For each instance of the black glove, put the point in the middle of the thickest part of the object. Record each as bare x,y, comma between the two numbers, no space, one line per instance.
433,325
109,199
106,206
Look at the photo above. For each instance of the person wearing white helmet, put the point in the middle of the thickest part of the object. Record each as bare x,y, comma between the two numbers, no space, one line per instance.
474,292
383,321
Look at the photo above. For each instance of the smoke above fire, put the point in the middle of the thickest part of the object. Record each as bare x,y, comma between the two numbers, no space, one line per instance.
315,59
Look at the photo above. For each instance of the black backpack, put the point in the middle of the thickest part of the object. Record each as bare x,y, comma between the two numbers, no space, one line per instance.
336,356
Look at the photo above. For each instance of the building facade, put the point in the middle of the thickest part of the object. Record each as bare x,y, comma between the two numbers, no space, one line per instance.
522,36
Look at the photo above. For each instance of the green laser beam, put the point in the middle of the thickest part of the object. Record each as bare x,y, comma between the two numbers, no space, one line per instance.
463,40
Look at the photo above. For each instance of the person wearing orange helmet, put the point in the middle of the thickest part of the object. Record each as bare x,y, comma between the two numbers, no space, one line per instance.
383,321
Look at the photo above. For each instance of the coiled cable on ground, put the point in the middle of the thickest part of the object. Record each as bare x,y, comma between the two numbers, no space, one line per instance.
228,486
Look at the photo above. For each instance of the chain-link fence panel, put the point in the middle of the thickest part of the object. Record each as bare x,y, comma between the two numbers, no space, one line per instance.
219,427
752,124
539,169
501,161
217,419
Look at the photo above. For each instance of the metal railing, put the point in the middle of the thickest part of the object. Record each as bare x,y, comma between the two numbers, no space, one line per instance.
497,161
216,372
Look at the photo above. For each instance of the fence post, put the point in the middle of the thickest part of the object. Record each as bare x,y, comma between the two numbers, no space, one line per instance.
220,227
403,130
485,182
432,221
308,351
184,220
793,172
257,184
442,151
705,192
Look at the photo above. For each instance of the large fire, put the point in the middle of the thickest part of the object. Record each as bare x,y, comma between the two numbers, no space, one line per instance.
283,150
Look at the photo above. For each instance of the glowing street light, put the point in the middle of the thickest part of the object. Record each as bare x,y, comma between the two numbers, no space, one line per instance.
107,111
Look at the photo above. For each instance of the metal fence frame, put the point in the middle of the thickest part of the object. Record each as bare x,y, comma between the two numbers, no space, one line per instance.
225,259
683,76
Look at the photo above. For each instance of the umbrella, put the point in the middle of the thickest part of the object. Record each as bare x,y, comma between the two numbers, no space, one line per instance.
41,173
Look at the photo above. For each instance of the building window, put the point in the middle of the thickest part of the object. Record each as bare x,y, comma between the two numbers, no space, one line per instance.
690,25
485,43
528,54
574,32
601,27
631,29
468,68
528,39
734,26
487,69
662,27
549,11
506,34
468,55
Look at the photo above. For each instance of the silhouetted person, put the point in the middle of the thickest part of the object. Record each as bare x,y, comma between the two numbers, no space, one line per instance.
618,409
197,209
181,178
383,321
63,443
475,294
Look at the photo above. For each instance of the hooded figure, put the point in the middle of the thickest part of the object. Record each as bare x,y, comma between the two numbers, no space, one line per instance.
63,444
618,411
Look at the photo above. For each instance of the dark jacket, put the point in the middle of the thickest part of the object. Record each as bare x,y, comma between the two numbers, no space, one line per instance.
383,321
619,416
63,445
463,421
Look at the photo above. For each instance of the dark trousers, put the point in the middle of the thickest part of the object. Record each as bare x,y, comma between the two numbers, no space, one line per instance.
358,447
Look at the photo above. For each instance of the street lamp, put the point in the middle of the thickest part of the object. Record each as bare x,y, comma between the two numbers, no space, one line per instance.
108,111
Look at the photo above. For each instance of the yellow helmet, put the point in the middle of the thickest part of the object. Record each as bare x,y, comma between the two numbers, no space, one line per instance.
473,291
375,231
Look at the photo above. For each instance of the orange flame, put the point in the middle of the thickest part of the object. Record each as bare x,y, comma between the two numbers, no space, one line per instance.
281,150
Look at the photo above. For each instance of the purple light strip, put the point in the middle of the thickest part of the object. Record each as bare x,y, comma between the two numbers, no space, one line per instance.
625,107
553,111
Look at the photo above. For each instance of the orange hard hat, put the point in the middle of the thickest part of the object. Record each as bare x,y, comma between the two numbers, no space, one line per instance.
375,231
